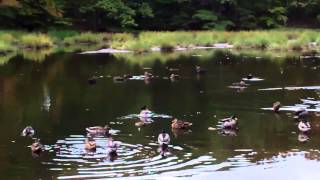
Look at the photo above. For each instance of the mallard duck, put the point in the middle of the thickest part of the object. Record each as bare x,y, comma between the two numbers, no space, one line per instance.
145,112
230,122
200,70
113,145
36,147
173,77
163,138
90,144
118,79
304,126
241,83
28,131
99,130
276,106
147,76
249,76
301,114
127,76
178,124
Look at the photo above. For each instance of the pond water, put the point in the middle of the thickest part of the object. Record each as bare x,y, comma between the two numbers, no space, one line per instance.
54,97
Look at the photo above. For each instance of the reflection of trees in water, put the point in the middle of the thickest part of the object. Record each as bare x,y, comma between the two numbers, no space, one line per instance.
36,55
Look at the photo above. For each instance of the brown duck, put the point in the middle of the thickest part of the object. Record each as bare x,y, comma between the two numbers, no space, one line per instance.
178,124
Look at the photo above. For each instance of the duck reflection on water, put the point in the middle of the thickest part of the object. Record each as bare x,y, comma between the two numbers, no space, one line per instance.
143,121
303,137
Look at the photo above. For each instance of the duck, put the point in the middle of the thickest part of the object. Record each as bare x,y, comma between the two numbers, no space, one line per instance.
118,79
28,131
179,124
163,138
200,70
127,76
36,147
301,114
276,106
90,144
145,112
229,123
240,84
99,130
249,76
304,126
113,145
148,76
173,77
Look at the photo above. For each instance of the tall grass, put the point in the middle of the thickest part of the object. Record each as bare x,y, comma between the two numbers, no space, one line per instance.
35,41
279,39
5,47
86,38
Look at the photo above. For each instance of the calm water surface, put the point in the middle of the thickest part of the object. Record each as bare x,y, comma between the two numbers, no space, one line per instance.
54,97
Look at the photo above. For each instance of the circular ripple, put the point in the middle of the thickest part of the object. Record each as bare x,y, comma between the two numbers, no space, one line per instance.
72,161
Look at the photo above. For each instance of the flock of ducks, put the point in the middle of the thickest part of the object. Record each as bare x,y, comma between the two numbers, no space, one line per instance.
89,143
301,115
230,123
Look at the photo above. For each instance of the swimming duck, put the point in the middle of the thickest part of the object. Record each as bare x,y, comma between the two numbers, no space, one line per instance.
301,114
276,106
230,122
145,112
99,130
28,131
36,147
240,84
113,145
249,76
118,79
178,124
200,70
304,126
127,76
173,77
163,138
90,144
147,76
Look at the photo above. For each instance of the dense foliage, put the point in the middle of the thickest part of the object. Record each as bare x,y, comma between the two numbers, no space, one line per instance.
121,15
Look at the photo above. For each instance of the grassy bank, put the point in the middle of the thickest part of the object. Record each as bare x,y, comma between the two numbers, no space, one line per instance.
281,39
